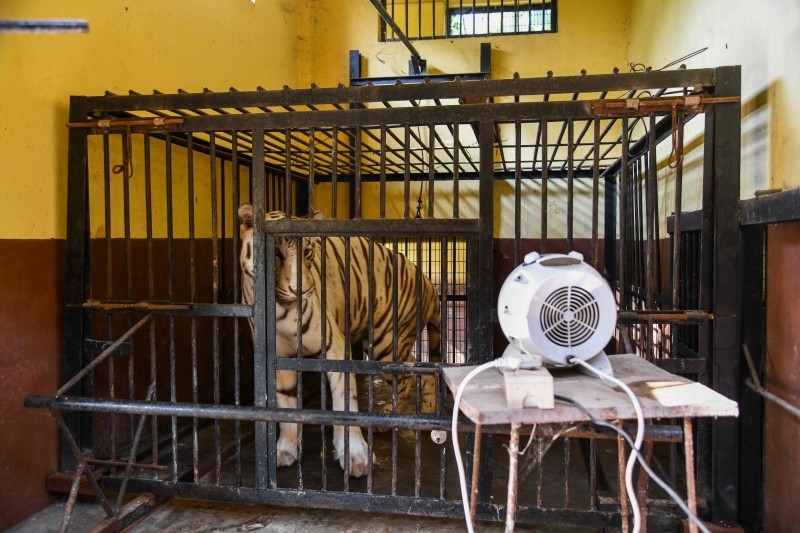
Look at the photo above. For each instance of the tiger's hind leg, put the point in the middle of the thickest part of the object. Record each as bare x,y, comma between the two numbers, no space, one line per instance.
407,387
407,394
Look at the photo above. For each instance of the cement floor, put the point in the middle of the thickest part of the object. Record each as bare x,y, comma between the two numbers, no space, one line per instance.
182,516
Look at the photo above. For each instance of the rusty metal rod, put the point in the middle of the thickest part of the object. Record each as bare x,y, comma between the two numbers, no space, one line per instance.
755,384
121,464
102,357
665,316
76,452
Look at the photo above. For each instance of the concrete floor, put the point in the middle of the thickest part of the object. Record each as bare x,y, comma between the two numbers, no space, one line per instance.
181,516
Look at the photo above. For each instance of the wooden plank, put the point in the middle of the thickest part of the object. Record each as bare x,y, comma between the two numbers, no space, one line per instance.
662,395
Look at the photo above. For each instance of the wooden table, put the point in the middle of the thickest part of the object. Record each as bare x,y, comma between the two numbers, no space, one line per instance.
662,395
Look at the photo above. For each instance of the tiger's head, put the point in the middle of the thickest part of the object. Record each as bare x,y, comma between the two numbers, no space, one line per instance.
286,256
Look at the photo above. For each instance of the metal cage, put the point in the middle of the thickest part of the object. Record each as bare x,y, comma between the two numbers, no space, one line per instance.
167,392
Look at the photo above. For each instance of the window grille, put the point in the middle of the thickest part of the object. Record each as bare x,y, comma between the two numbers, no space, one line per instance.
439,19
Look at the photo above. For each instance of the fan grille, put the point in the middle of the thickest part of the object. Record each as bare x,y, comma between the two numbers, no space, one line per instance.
569,316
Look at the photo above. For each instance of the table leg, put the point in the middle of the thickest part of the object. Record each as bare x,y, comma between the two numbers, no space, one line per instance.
688,448
623,496
476,467
513,464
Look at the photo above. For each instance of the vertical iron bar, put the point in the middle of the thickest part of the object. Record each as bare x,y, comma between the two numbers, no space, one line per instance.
382,200
650,180
596,197
407,171
215,291
237,355
567,458
109,286
622,272
456,170
480,268
173,390
78,266
545,175
323,354
264,334
431,166
570,182
148,189
192,296
677,235
335,173
518,189
346,357
370,354
126,199
726,302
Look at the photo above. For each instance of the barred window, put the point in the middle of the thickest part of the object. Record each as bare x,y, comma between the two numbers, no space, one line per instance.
439,19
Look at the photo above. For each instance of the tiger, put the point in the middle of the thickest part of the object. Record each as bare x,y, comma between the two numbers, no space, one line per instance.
385,261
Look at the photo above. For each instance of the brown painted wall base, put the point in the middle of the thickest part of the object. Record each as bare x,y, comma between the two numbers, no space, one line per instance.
782,430
32,288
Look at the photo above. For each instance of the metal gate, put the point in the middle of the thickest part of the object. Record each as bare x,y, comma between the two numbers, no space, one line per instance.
168,392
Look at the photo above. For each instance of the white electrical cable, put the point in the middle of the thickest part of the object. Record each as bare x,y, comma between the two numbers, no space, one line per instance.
637,514
462,477
511,363
643,462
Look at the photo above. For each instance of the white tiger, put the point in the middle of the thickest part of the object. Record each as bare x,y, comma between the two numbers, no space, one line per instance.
384,261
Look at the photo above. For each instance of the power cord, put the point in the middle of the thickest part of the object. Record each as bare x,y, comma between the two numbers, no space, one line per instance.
510,363
642,461
520,361
637,513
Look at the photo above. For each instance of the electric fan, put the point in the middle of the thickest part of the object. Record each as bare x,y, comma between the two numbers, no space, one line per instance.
554,307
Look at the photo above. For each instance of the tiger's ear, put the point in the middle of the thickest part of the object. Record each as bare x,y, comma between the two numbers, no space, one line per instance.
245,218
317,215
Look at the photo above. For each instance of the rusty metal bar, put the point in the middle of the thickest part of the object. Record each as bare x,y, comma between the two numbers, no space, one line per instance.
649,106
688,446
79,457
132,453
102,357
697,317
476,467
677,147
138,466
513,462
108,125
73,496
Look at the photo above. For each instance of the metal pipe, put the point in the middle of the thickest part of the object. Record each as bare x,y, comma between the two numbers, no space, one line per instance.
396,29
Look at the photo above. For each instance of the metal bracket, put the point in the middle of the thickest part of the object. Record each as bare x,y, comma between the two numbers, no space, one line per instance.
109,125
642,107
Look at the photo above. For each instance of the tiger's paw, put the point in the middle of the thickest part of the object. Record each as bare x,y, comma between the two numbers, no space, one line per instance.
287,452
359,456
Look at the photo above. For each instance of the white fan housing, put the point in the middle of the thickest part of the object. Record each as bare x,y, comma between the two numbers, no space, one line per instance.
557,306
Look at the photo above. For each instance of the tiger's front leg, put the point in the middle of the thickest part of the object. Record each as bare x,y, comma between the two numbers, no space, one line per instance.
359,450
287,398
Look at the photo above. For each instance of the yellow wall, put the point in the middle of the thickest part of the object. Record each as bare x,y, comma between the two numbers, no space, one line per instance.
141,45
333,28
329,31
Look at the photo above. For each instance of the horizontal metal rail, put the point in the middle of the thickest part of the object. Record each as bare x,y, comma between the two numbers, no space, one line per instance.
427,227
382,93
155,308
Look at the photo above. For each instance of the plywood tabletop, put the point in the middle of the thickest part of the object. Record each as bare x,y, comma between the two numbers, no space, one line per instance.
662,395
